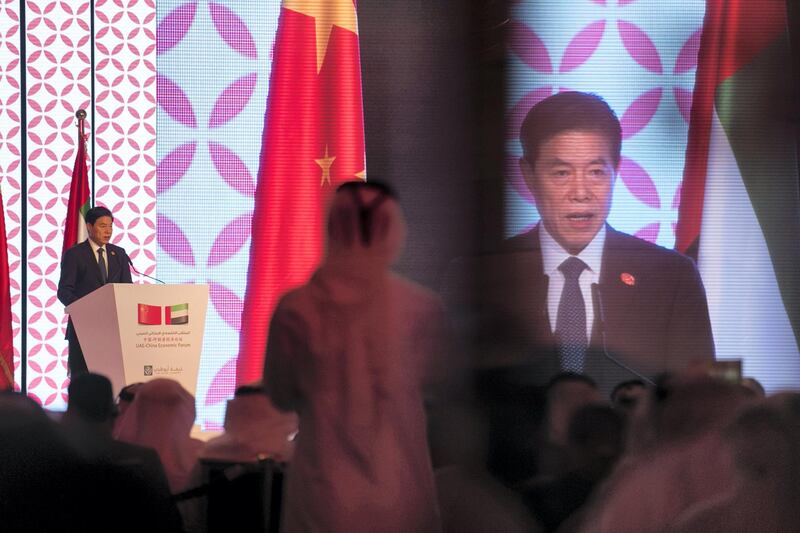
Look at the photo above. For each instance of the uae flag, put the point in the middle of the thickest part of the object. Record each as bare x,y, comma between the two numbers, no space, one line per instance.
313,141
740,207
176,314
78,204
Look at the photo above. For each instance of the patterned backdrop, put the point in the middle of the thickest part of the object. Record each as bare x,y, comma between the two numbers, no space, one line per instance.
10,156
57,41
640,55
210,67
58,59
213,76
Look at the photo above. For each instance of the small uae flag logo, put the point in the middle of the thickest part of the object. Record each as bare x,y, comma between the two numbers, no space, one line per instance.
176,314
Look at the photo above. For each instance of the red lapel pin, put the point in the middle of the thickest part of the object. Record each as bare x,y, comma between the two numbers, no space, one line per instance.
627,279
113,252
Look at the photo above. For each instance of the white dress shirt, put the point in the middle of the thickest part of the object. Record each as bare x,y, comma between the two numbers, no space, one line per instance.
552,257
95,247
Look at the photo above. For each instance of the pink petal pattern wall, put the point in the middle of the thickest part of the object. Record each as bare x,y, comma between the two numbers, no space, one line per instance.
196,70
213,76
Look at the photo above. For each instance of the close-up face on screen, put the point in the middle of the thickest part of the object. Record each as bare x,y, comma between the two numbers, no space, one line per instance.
707,164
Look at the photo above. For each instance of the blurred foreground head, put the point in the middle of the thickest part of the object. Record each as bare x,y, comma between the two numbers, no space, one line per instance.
91,398
685,406
254,428
161,417
566,394
766,441
365,226
160,406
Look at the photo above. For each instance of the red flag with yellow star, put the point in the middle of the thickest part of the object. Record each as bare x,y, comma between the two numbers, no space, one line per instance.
313,141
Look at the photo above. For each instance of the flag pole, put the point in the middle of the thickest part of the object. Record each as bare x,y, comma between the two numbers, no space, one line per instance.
80,114
79,193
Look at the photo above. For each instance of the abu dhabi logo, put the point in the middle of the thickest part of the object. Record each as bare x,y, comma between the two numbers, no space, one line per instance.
150,315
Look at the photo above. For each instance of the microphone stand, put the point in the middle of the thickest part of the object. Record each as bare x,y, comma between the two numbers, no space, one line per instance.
130,263
598,312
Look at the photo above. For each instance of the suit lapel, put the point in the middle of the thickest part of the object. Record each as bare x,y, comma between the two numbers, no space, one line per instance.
113,266
540,286
532,289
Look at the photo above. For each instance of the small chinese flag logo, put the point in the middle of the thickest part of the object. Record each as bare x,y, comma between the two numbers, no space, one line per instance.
149,315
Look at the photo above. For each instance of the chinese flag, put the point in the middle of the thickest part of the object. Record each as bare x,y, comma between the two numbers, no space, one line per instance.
6,333
78,205
313,141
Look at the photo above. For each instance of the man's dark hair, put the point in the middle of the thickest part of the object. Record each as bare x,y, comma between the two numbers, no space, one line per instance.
366,211
128,392
249,390
569,111
569,377
625,385
90,396
97,212
381,187
595,423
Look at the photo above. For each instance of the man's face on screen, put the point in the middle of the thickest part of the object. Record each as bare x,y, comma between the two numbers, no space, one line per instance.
100,231
571,181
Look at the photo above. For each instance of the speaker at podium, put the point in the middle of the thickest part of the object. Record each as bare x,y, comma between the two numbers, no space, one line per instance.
134,333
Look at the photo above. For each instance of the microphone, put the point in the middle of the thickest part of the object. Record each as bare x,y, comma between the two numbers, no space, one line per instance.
143,274
598,312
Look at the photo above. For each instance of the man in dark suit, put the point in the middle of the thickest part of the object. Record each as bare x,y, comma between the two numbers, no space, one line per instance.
573,294
88,266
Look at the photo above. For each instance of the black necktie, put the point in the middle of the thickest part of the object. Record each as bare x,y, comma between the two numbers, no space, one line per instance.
102,264
571,321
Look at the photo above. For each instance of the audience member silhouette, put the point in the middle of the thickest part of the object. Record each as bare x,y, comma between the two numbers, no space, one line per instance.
595,441
628,395
471,499
254,430
675,457
350,352
754,386
161,417
87,426
124,400
46,486
565,394
765,440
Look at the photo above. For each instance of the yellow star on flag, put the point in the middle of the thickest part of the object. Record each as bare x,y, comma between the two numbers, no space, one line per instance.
325,164
327,14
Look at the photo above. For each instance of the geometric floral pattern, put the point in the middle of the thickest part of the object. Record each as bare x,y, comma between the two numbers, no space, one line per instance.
57,36
209,141
10,160
59,82
125,137
641,56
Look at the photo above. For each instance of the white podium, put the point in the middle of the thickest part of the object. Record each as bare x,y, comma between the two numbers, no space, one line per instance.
134,333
